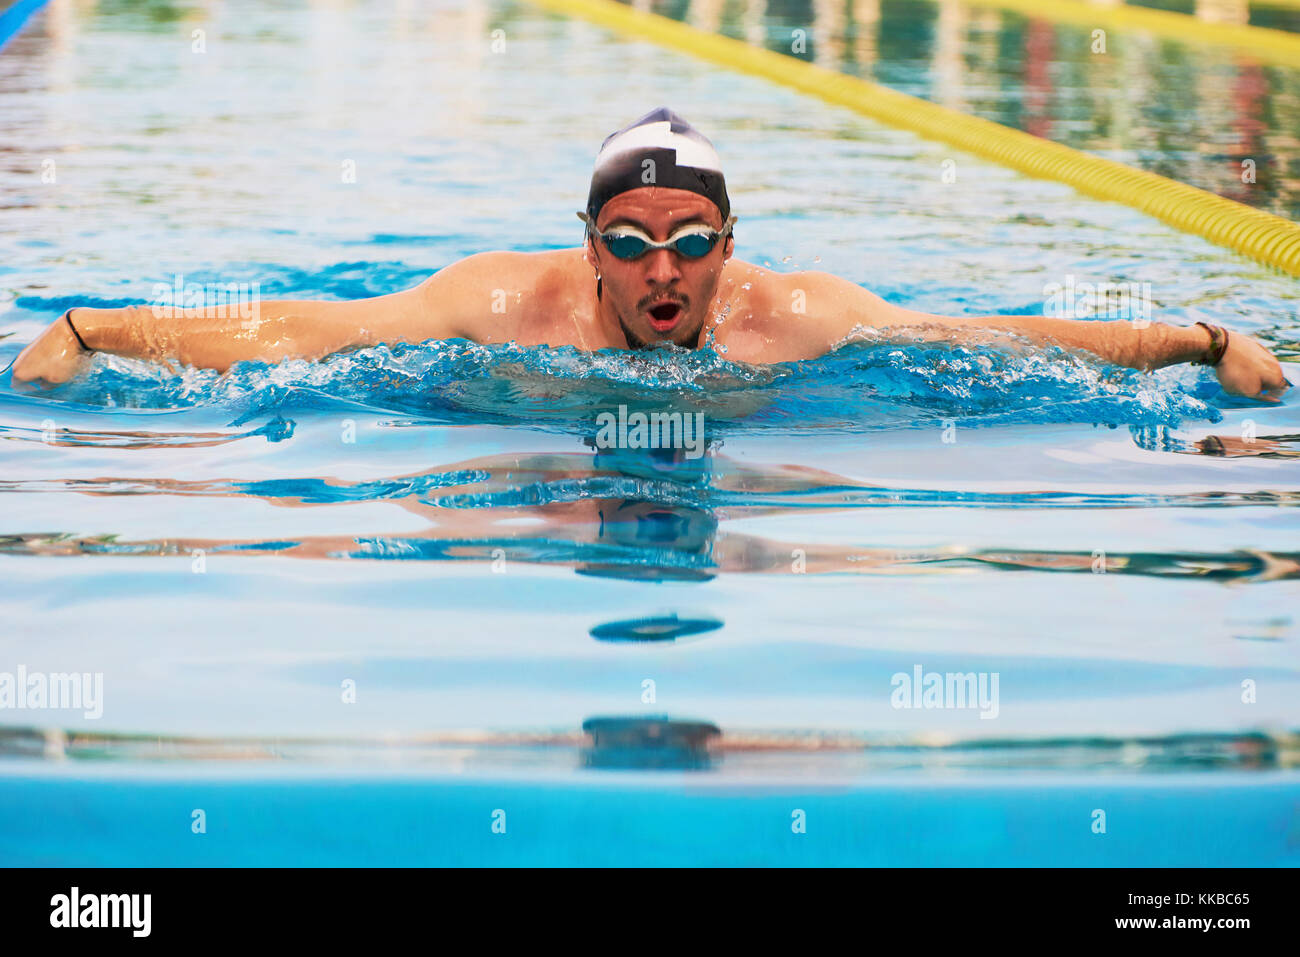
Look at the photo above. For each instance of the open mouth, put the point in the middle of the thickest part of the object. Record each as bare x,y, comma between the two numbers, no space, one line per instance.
665,315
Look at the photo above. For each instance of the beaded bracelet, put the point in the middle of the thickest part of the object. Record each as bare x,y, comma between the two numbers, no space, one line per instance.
1218,345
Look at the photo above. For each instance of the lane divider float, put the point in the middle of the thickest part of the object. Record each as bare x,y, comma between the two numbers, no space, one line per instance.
1260,43
1262,236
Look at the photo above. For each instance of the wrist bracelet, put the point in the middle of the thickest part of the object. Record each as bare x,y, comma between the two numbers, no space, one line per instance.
68,316
1218,345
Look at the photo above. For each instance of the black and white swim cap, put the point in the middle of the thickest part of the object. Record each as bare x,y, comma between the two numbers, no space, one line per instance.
659,149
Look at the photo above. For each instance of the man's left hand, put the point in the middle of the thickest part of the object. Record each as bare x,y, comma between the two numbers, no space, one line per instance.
1249,369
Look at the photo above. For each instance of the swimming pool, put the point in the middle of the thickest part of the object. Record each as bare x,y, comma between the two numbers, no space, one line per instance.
351,610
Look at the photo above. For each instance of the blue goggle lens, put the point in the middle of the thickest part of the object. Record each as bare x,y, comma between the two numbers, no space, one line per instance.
625,247
695,245
692,245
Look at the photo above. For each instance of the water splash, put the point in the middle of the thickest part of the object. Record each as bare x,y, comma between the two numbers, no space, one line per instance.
864,385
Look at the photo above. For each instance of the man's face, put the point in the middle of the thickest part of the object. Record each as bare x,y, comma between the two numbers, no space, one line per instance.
660,296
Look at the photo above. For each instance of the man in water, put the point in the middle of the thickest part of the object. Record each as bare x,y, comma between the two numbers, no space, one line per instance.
656,268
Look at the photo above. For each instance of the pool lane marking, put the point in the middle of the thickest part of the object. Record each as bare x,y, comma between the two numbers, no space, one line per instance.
13,19
1261,236
1263,43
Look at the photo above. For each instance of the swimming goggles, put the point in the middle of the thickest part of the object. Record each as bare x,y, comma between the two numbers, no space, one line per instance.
691,241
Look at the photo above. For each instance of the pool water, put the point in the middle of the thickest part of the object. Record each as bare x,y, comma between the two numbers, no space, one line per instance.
1189,112
351,610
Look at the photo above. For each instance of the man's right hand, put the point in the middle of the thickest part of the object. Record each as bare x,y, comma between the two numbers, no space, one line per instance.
56,356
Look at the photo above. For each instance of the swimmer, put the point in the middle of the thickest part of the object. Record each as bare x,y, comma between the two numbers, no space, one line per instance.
656,267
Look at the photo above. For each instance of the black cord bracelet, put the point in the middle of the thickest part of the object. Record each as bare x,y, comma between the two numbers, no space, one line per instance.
68,316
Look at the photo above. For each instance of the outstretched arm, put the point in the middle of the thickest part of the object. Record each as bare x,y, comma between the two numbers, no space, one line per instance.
450,304
835,307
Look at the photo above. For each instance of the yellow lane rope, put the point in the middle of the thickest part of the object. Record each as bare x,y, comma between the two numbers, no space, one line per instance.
1285,4
1262,236
1261,43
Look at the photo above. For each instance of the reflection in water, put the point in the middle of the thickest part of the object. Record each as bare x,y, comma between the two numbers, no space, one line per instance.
627,513
1267,447
1187,111
658,743
658,515
664,628
276,430
627,743
1220,446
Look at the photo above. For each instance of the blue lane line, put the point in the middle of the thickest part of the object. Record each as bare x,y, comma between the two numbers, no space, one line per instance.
12,20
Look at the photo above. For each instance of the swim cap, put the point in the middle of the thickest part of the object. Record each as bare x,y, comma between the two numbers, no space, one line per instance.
659,149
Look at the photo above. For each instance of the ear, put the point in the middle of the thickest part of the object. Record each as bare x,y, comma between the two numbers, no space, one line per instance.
728,247
590,254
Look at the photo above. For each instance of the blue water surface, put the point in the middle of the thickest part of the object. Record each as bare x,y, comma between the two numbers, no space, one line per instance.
352,608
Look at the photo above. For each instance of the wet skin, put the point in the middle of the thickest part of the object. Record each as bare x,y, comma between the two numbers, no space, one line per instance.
752,315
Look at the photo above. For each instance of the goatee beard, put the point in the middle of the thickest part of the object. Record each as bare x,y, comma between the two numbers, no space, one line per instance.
636,342
633,340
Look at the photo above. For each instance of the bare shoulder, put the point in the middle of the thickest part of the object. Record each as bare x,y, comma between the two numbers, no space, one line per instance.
781,317
507,270
740,275
493,296
761,287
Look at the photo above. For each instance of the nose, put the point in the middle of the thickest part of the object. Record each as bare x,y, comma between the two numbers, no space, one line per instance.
661,267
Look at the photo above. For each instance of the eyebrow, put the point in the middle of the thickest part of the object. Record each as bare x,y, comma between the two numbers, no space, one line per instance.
696,220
